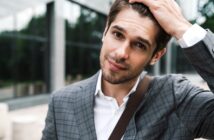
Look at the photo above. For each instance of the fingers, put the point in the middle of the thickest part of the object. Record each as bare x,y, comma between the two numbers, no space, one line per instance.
168,14
153,3
146,2
176,5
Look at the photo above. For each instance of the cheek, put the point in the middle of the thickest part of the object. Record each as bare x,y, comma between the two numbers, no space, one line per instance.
109,43
103,53
140,62
107,48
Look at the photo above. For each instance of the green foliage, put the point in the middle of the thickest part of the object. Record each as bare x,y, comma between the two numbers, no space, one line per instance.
207,10
209,24
84,36
23,53
88,28
37,26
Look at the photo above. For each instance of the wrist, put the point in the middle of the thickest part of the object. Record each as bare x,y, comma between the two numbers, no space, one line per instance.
180,29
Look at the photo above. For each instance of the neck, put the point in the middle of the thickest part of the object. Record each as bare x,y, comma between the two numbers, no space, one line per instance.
117,91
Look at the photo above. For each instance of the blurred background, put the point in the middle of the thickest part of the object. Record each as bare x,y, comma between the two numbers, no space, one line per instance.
47,44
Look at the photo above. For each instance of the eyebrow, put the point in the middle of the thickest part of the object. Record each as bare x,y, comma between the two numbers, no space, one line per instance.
138,38
119,28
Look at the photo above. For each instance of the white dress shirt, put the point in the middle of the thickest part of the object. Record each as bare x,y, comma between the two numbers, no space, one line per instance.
192,36
106,110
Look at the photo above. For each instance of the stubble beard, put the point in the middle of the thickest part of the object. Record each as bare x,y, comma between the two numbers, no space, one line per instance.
125,76
115,78
121,77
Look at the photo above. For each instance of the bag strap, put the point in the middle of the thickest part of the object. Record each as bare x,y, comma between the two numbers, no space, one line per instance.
131,107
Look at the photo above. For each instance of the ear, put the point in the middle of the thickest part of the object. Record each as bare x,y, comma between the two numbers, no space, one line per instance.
157,56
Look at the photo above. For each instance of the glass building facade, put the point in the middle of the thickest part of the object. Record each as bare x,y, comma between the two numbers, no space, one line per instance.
23,45
25,48
26,55
84,30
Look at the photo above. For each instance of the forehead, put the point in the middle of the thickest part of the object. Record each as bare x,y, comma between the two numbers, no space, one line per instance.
136,25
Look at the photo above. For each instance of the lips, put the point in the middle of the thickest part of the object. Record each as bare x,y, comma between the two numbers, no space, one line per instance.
115,66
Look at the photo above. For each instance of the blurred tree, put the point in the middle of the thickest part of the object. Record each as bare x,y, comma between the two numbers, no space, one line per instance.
22,52
209,23
206,11
84,36
206,8
5,55
37,26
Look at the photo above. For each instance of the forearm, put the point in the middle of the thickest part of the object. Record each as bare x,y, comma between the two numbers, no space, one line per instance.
201,57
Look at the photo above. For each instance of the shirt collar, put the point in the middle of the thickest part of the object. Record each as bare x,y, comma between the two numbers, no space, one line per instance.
98,86
99,90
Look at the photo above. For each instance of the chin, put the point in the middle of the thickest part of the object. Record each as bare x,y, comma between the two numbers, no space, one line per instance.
114,78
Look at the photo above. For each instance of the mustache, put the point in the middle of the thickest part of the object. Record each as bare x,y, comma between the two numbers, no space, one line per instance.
118,60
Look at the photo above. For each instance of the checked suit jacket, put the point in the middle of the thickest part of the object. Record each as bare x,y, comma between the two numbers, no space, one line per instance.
173,108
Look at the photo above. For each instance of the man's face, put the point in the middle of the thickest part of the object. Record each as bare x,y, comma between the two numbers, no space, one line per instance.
128,47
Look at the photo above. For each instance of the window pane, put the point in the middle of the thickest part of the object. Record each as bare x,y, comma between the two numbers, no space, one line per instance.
84,29
23,54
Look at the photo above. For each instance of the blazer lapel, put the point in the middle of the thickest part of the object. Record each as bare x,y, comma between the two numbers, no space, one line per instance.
84,112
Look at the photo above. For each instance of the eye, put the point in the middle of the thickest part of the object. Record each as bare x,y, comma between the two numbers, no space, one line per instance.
118,35
139,45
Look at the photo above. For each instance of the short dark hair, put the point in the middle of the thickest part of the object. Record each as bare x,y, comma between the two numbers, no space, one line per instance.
162,37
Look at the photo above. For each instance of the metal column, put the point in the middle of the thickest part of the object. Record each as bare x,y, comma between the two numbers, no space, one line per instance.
57,44
156,68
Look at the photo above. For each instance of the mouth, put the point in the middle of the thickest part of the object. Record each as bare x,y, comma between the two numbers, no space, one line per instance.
115,66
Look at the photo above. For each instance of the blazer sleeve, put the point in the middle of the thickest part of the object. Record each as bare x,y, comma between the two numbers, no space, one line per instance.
201,56
195,106
49,132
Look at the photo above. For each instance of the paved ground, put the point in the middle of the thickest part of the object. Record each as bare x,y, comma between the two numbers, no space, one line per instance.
32,120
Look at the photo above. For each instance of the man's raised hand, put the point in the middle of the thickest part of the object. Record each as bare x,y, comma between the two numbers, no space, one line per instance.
169,16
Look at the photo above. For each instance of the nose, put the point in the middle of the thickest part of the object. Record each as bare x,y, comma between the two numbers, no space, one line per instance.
122,52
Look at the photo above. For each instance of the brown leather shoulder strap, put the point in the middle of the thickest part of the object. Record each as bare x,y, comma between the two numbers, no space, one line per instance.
131,107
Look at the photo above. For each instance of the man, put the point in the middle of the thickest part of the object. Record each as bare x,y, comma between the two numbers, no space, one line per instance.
173,108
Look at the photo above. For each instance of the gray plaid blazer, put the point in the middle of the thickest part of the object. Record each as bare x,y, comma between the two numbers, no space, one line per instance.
173,108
